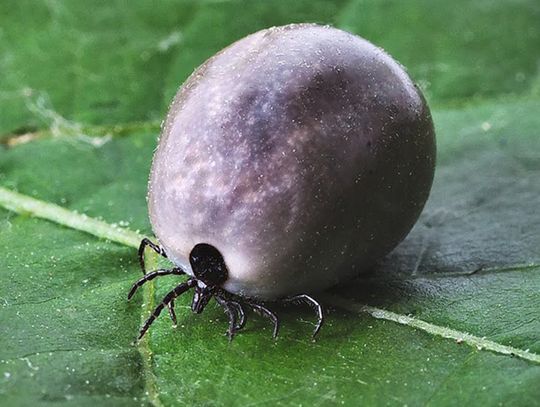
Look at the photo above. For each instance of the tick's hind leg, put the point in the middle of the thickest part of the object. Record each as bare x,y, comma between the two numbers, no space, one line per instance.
231,311
306,299
265,312
147,242
241,314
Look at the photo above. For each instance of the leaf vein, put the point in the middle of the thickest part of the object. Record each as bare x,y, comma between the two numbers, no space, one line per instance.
448,333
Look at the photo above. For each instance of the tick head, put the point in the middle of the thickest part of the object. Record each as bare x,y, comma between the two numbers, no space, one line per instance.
208,265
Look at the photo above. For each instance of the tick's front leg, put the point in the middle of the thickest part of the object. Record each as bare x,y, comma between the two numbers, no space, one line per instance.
147,242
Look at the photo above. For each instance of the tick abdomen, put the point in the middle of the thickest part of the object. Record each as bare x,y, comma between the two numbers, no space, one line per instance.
302,153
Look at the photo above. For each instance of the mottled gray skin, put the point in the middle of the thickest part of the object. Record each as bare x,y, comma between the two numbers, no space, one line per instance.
303,153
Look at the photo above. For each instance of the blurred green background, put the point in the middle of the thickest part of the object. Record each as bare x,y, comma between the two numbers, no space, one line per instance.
117,61
83,89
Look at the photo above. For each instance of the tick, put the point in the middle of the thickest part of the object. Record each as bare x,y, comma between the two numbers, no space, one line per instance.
290,161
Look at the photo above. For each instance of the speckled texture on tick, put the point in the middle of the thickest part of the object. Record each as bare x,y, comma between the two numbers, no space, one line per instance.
303,153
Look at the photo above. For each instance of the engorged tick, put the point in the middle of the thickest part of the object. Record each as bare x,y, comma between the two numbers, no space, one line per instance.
290,161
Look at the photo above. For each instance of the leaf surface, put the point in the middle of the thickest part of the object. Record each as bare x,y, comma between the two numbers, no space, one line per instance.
81,96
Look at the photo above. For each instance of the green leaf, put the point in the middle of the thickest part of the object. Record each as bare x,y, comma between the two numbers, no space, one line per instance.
451,317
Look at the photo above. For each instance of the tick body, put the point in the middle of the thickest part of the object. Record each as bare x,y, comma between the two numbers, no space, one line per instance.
290,161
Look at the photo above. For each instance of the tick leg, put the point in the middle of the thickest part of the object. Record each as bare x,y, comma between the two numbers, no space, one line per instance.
172,314
230,310
171,295
147,242
151,276
241,314
265,312
306,299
